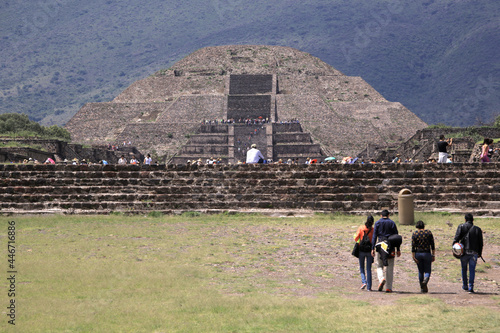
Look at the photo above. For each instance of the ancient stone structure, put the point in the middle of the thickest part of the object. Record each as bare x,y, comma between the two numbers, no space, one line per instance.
356,188
61,151
422,146
338,115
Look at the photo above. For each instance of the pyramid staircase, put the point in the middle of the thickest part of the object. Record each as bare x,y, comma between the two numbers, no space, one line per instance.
250,100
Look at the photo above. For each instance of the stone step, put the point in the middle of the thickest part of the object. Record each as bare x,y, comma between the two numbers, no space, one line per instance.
261,171
264,211
347,206
404,171
362,185
194,186
476,200
266,185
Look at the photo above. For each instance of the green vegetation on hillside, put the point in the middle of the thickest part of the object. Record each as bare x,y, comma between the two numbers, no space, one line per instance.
19,125
438,58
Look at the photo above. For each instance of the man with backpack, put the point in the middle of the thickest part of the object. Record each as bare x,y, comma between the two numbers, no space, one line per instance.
364,236
386,232
471,237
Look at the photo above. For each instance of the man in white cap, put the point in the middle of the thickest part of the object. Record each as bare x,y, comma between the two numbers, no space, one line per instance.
254,155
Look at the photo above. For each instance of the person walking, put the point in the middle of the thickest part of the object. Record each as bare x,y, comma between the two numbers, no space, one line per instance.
364,235
424,253
442,144
384,230
471,237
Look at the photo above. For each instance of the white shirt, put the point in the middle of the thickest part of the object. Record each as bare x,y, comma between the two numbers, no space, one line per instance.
253,155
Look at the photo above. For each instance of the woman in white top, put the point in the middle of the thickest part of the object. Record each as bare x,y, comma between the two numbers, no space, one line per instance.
147,160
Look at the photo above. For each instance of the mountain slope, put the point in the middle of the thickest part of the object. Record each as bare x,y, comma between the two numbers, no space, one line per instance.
438,58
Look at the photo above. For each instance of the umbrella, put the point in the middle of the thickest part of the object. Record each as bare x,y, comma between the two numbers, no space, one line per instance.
330,158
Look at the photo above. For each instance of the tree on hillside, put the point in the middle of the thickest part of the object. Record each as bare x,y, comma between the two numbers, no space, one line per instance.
15,124
497,121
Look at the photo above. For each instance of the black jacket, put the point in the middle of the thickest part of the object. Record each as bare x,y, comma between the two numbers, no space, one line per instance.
474,241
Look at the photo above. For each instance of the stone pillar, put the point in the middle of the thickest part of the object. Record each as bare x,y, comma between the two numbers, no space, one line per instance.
269,137
230,145
274,107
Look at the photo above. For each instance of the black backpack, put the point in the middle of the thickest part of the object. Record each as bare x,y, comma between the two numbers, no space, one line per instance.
365,245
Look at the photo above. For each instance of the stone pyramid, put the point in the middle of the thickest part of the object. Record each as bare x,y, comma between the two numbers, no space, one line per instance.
313,110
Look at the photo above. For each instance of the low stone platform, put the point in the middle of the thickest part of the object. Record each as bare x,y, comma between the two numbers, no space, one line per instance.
276,189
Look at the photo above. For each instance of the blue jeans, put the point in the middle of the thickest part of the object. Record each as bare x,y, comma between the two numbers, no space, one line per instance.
471,260
366,278
424,265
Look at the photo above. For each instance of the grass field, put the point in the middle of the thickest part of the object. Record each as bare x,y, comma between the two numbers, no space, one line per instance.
227,273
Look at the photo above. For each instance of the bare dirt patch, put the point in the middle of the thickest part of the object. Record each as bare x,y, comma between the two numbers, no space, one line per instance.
310,260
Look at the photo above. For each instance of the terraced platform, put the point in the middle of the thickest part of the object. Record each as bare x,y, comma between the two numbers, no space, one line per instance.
357,189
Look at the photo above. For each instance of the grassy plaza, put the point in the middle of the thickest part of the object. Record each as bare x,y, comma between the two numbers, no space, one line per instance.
233,273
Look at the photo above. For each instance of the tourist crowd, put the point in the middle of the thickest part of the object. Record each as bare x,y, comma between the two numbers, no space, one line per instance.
248,121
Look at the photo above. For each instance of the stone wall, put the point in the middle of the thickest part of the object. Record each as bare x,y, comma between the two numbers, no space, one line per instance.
353,188
244,106
292,137
159,88
250,84
338,88
208,141
102,122
290,149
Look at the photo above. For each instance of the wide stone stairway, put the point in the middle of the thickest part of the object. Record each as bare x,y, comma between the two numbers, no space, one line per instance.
251,107
357,189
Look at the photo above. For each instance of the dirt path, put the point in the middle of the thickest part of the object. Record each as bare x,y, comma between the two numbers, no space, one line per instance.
307,261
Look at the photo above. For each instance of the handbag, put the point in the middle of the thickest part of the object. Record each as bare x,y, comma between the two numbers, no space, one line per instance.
355,250
458,249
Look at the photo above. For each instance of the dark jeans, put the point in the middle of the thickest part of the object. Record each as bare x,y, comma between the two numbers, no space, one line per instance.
424,264
366,278
471,260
